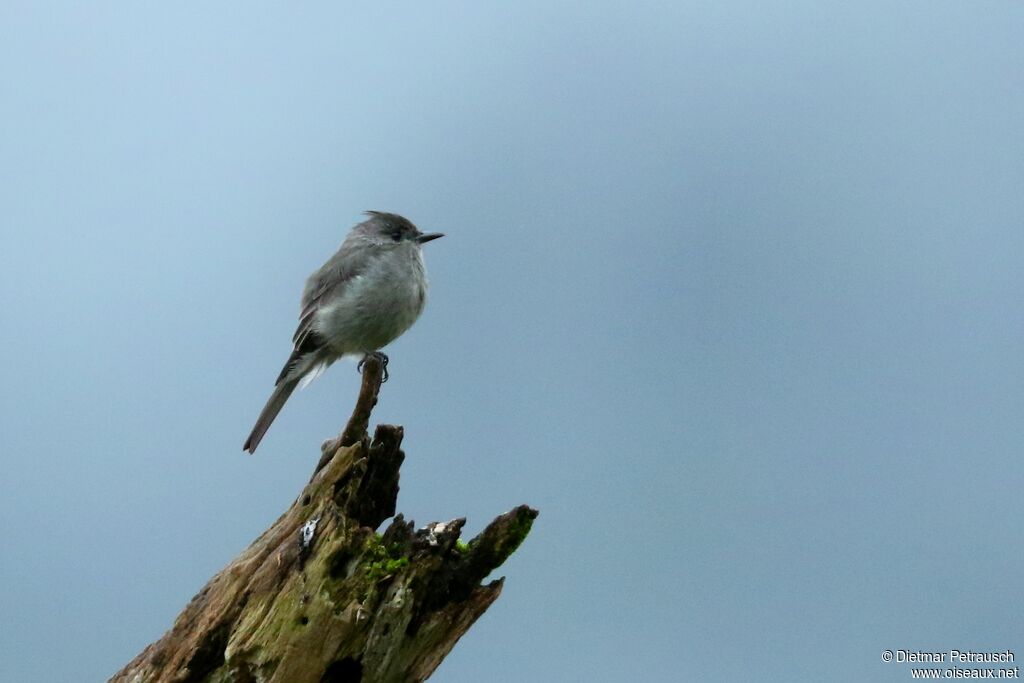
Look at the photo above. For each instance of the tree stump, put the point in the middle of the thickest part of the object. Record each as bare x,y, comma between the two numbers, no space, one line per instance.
320,597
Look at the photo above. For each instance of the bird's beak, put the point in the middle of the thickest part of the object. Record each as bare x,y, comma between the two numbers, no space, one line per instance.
426,237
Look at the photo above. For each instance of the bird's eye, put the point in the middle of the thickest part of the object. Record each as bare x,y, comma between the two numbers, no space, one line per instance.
396,237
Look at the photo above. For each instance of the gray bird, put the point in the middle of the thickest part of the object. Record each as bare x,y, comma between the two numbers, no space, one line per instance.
364,297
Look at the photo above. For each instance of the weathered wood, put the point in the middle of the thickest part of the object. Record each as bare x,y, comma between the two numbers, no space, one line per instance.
321,598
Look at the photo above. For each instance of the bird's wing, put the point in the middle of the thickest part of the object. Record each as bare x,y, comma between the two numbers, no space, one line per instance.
306,341
306,317
325,284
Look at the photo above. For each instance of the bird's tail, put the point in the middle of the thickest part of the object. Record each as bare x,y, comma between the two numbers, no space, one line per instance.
276,401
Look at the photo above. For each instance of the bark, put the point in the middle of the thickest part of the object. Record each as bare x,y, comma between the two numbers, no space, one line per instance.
320,597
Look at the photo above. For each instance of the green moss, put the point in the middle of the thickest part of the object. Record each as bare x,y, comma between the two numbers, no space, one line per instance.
462,546
382,561
376,571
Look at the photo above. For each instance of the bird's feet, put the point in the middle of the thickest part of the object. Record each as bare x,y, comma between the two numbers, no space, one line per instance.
382,357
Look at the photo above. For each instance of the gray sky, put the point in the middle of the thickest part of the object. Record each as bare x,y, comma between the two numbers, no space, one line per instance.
730,292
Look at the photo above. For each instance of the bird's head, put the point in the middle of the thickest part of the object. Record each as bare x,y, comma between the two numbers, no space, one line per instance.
391,229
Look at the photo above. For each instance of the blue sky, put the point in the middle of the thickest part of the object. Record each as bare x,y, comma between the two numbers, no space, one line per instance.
730,292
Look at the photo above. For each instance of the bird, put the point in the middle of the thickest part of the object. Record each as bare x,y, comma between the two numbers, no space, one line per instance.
364,297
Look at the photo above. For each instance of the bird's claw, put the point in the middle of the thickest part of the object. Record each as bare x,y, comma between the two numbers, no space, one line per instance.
383,364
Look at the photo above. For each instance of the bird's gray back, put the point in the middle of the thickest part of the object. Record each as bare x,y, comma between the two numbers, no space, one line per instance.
349,261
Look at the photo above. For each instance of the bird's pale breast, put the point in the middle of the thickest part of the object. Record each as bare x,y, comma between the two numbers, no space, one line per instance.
375,307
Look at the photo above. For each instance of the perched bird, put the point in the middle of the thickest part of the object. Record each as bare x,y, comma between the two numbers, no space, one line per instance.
364,297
